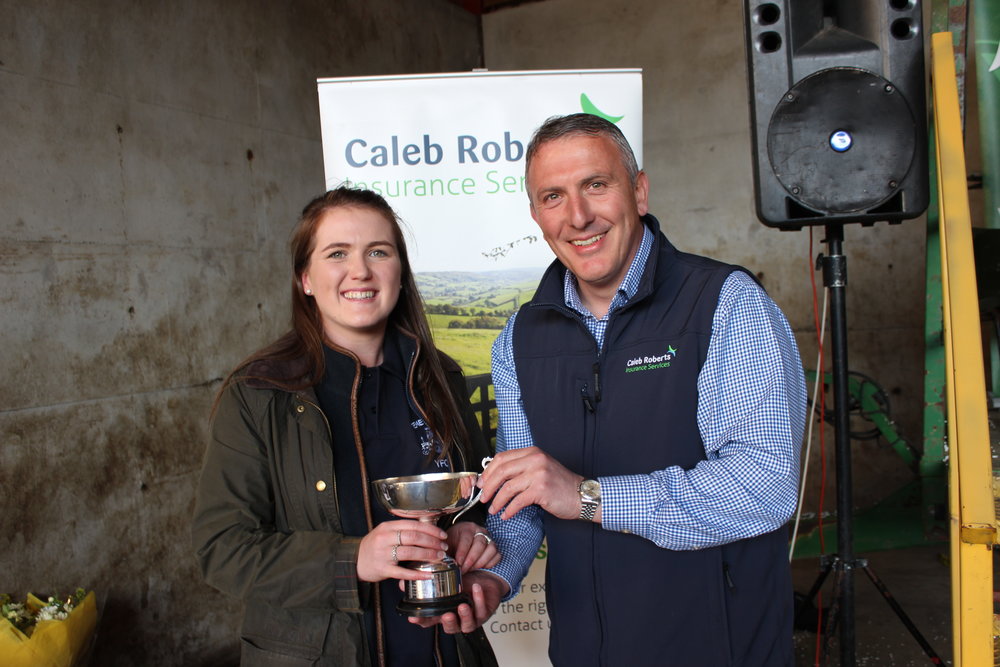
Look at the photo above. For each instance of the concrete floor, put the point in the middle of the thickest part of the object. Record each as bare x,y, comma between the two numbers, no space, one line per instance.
919,580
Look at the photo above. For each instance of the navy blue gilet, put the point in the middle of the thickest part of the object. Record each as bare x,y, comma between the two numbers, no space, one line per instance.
630,408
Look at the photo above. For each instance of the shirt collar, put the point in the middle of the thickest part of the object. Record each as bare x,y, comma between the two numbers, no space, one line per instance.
628,286
393,355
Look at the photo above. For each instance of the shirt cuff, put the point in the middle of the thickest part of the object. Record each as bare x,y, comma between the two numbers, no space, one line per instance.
626,503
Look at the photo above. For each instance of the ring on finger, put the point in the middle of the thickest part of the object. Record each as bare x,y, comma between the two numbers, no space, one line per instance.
399,538
395,558
489,540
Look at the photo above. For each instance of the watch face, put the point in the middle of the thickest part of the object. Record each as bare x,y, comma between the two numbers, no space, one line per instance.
590,489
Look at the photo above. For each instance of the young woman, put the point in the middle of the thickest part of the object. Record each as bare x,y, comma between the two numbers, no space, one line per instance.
356,391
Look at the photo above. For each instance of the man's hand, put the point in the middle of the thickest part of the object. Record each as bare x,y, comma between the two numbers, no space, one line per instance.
487,589
471,546
520,477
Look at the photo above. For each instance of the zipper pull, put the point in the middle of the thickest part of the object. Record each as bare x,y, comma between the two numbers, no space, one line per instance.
729,579
586,398
597,382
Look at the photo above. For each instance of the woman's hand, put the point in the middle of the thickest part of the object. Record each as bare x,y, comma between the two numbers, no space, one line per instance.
472,547
392,542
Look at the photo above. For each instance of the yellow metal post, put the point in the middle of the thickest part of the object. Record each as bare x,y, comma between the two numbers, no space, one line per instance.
973,521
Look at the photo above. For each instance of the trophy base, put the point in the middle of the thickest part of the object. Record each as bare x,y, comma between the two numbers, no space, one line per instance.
436,607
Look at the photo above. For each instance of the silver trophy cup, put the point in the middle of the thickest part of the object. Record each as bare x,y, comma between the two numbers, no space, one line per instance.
426,498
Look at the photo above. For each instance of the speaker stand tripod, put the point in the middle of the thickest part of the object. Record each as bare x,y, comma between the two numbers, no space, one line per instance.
835,563
844,563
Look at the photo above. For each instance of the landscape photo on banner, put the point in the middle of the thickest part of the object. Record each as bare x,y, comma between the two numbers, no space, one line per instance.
447,152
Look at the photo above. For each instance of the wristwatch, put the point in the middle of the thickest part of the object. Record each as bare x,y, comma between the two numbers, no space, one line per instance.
590,498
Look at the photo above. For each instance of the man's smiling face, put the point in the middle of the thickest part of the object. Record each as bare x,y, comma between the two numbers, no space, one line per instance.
588,211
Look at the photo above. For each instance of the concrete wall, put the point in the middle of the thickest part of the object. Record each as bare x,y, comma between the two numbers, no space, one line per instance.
153,157
698,156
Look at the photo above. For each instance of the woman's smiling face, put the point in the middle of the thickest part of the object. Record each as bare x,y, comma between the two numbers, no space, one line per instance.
354,274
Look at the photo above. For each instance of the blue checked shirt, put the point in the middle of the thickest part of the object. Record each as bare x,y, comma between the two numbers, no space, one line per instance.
751,416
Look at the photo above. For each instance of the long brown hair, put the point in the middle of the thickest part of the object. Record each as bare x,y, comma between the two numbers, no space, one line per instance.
301,348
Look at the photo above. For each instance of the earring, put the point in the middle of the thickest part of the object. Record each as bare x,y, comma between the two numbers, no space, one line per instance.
309,292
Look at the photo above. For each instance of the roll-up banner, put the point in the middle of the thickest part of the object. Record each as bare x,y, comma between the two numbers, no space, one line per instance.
447,152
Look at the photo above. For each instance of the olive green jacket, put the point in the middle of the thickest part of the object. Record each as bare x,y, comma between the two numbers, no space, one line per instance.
267,525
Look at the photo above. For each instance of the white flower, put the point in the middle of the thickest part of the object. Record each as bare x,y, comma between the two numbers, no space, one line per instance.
24,617
47,613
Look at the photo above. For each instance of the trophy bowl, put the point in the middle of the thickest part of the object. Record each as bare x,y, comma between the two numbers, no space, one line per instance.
425,498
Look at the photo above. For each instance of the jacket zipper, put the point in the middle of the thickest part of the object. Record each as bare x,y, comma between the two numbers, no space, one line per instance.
595,378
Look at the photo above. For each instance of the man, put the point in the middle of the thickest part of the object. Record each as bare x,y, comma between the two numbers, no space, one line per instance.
651,408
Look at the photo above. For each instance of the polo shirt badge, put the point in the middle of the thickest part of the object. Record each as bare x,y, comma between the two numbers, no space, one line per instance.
428,441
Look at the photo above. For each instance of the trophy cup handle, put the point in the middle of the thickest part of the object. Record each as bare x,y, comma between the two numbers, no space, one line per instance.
475,496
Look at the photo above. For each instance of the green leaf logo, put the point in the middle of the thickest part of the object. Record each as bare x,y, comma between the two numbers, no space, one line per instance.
588,107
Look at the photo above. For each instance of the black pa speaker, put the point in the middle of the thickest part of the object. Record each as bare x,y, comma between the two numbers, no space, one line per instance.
838,110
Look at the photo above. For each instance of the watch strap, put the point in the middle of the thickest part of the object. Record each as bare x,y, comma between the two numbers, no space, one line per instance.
590,499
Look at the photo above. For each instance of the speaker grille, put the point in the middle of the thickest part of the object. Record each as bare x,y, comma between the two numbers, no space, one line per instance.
842,140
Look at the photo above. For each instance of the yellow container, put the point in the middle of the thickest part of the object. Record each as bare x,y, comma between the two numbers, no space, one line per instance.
52,643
